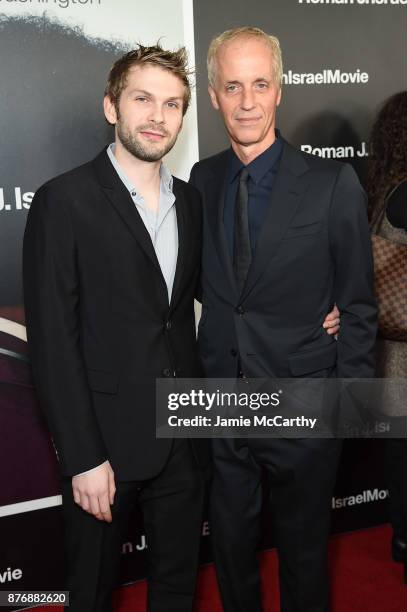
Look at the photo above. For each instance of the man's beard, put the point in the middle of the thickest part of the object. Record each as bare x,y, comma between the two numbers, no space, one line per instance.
144,151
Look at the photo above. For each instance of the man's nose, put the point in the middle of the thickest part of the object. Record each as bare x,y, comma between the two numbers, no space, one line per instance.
157,115
247,102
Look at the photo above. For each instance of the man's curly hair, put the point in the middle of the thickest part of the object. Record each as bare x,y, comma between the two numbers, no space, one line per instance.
387,164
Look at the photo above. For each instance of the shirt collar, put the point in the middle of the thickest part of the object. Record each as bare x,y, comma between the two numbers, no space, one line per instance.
259,167
165,175
166,178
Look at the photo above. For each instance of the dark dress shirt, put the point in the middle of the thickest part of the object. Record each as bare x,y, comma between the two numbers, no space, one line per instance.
262,173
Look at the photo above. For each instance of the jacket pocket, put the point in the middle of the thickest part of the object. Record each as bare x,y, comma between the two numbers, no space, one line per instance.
312,361
303,230
103,382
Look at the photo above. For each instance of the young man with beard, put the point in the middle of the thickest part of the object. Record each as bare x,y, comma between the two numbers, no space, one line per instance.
111,257
285,236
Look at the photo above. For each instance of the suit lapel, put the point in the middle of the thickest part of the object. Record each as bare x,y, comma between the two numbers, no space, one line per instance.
215,201
120,199
183,242
287,193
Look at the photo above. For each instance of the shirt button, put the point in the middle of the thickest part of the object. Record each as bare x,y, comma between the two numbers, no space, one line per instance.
240,310
133,193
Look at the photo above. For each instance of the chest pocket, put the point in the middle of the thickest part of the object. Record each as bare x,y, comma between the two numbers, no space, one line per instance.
308,229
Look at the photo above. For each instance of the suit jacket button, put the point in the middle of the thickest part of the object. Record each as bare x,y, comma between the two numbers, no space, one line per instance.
233,352
168,325
167,373
240,310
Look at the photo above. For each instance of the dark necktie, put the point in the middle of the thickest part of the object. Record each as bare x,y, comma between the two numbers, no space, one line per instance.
242,253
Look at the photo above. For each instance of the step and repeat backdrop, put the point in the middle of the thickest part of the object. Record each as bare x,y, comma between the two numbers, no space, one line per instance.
341,60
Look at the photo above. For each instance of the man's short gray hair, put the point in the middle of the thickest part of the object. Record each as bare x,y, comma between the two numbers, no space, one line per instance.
245,32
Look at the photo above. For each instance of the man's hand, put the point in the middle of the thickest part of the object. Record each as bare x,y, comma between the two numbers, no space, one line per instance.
94,491
332,321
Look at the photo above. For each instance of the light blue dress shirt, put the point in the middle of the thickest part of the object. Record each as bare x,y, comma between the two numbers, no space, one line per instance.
162,225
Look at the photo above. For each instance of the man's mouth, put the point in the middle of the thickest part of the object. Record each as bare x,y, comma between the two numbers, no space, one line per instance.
247,120
151,135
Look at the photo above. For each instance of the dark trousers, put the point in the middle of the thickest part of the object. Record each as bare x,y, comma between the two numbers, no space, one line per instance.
301,475
171,504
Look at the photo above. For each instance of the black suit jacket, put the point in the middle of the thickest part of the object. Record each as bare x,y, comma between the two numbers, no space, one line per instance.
313,250
100,328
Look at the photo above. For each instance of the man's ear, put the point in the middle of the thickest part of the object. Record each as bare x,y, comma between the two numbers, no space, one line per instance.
110,110
213,97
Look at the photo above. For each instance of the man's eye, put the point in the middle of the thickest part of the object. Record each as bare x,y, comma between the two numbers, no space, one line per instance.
262,85
231,88
172,104
141,99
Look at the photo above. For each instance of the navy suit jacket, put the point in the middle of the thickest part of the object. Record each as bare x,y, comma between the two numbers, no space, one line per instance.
313,251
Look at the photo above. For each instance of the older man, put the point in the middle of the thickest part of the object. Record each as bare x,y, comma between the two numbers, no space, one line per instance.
285,237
